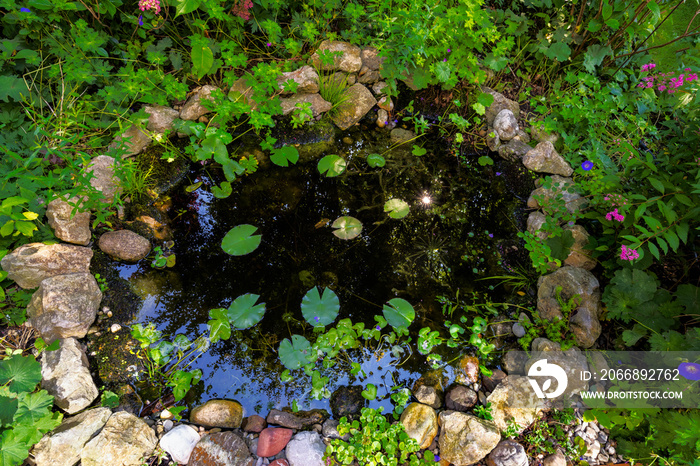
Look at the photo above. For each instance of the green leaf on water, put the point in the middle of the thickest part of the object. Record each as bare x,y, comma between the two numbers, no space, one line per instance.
396,208
222,192
22,373
375,160
284,156
347,227
399,313
485,160
193,187
332,165
243,313
320,309
294,353
219,325
418,151
240,240
370,393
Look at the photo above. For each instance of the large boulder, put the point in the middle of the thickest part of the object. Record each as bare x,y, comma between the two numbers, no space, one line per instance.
500,102
221,449
179,443
133,140
514,400
68,223
125,245
62,446
305,77
583,322
160,118
103,179
31,263
64,306
125,440
194,107
420,423
545,159
318,105
65,374
560,187
466,439
218,413
348,58
358,101
306,449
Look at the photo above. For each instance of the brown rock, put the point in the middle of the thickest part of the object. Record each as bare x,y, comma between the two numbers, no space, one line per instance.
221,449
469,373
318,104
253,423
421,423
460,398
193,108
500,102
371,59
68,223
160,118
578,256
279,462
273,440
359,101
134,141
492,381
284,419
218,413
348,59
545,159
104,180
31,263
305,77
125,245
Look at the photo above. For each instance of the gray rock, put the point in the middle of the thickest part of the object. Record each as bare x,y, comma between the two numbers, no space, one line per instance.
62,446
534,225
522,136
368,76
124,245
540,135
330,430
346,400
385,103
305,77
514,362
460,398
506,125
179,443
514,399
500,102
218,413
31,263
124,441
371,59
578,256
515,149
359,101
194,107
557,459
583,323
285,419
306,449
491,381
493,141
242,92
69,224
593,449
348,60
104,180
400,135
545,159
66,376
466,439
134,141
428,395
64,306
160,118
560,187
382,118
507,453
518,330
379,87
318,105
221,449
420,423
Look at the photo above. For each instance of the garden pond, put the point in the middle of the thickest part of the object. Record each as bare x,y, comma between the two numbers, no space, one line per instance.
461,227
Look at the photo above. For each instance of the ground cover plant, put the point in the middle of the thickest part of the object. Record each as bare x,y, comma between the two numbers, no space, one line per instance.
617,80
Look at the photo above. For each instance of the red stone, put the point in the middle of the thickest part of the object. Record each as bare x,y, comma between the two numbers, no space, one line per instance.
279,463
272,441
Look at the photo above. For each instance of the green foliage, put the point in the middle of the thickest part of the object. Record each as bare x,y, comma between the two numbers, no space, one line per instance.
374,441
320,309
25,412
242,313
556,330
399,313
240,240
295,353
347,227
332,165
284,156
13,308
375,160
484,411
396,208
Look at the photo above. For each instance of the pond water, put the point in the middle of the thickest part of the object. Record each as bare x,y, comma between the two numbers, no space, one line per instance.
462,222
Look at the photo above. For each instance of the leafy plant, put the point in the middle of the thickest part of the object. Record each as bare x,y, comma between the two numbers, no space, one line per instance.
483,411
396,208
242,313
399,313
331,165
374,441
320,309
347,227
240,240
375,160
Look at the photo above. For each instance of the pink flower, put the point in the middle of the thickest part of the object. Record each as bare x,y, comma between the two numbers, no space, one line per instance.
614,215
648,66
149,4
628,254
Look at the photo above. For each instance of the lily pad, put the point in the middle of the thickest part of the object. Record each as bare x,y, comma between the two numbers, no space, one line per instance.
332,165
396,208
399,313
370,393
243,313
295,353
347,227
375,160
240,240
320,309
284,156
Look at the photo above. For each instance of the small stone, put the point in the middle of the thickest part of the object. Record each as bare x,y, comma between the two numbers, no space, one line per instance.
518,330
179,443
347,140
492,381
460,398
220,449
284,419
420,423
469,372
125,245
272,440
168,425
557,459
218,413
253,423
165,414
115,328
507,453
506,125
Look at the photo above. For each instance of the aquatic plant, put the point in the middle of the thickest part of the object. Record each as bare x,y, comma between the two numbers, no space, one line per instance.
240,240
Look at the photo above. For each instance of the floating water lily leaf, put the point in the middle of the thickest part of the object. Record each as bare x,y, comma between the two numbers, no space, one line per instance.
243,313
485,160
418,151
399,313
223,191
295,353
396,208
284,155
193,187
332,165
21,373
375,160
240,240
370,393
347,227
219,325
320,309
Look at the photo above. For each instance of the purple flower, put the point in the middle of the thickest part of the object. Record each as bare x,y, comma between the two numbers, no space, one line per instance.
269,44
25,10
316,318
378,327
449,50
437,459
444,59
140,20
498,173
587,165
490,235
689,370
